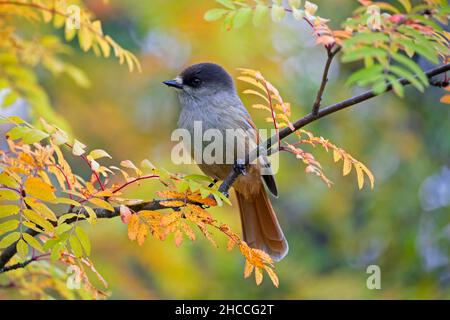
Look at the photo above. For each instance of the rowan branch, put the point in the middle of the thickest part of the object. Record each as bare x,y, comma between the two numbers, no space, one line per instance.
331,54
154,205
9,252
309,118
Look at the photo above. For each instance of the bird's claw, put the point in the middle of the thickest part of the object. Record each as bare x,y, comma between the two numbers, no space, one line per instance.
239,167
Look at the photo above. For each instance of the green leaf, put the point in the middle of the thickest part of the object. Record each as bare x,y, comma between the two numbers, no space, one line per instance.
8,210
361,53
9,99
62,228
396,86
261,13
414,67
242,16
214,14
9,240
65,217
33,242
34,136
408,76
75,244
372,72
366,38
84,240
101,204
9,226
22,248
380,86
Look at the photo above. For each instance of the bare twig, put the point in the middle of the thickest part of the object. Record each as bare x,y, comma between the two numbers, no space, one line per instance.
331,54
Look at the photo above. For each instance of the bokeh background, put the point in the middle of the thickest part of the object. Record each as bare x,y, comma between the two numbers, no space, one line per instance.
334,234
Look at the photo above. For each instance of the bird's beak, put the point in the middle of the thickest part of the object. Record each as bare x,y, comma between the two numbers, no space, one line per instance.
175,83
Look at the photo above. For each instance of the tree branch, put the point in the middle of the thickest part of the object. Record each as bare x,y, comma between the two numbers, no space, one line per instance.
331,54
9,252
252,156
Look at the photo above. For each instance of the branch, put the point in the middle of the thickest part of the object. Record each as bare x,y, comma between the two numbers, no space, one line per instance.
10,251
331,54
252,156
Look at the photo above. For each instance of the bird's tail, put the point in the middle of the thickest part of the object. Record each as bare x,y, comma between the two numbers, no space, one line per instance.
260,226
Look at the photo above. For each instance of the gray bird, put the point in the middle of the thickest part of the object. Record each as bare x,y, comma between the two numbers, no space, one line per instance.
207,94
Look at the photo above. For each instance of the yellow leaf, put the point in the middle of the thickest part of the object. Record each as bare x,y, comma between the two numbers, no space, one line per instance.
336,155
37,188
258,276
248,269
142,234
133,227
446,99
41,208
178,238
360,175
9,239
347,166
37,219
33,242
101,204
273,276
7,180
22,248
172,203
8,210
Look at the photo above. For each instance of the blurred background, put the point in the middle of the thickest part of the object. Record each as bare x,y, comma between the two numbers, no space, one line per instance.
403,225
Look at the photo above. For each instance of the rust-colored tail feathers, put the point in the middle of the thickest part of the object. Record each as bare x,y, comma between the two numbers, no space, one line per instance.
260,226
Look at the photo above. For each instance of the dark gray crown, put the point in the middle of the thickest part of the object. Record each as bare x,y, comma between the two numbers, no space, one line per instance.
207,74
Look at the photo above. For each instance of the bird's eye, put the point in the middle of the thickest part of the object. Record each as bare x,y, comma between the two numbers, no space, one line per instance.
196,82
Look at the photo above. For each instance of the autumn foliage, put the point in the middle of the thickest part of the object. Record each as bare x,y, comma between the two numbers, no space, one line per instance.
46,206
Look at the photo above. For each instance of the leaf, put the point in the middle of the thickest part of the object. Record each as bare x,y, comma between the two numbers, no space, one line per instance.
8,210
34,136
133,227
75,244
37,188
62,228
97,154
248,269
173,203
9,98
277,13
9,226
22,248
258,276
178,238
214,14
242,16
8,181
9,240
41,208
360,176
347,166
8,195
227,3
37,219
84,240
261,13
273,276
78,148
33,242
101,204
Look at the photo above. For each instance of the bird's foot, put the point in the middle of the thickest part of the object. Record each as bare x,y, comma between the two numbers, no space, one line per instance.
239,167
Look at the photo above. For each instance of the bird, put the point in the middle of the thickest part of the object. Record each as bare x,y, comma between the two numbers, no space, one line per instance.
207,95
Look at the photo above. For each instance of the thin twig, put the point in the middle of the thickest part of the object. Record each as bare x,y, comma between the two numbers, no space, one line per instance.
331,54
